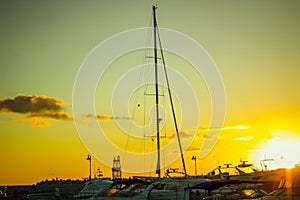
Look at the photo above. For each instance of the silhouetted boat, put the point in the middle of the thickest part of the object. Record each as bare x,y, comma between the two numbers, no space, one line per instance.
91,188
255,184
248,173
289,189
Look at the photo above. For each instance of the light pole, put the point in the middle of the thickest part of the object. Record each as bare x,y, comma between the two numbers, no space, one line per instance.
89,158
195,158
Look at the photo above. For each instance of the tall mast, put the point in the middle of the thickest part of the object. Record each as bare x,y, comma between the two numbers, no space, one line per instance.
156,93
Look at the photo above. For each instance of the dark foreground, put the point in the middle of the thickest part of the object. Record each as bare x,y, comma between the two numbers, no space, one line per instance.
63,188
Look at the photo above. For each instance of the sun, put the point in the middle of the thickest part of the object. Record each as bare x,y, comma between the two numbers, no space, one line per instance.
279,152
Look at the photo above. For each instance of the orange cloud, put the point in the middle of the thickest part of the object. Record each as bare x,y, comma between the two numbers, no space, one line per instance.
39,122
103,117
58,115
193,148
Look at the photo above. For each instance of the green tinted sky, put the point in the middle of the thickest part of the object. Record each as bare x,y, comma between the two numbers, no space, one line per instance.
44,43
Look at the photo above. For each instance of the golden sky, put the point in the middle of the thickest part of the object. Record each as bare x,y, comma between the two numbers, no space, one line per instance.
255,45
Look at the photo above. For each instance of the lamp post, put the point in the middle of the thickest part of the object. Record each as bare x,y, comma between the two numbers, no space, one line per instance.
195,158
89,158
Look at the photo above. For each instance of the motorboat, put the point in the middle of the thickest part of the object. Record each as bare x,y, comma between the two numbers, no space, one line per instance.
91,188
248,173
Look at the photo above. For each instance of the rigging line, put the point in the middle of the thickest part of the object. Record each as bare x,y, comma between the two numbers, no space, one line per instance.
171,102
144,60
147,54
146,77
148,40
141,76
165,140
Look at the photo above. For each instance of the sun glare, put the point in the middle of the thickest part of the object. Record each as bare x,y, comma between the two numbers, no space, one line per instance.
281,151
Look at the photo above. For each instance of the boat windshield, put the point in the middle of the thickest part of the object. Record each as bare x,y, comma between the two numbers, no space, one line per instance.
124,189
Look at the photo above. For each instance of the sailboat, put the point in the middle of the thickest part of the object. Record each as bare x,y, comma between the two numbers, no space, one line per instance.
161,188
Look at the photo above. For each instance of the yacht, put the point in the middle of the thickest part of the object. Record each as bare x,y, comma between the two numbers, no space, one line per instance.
164,188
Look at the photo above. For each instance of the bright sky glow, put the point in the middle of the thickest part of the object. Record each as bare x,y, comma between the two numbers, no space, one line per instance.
283,148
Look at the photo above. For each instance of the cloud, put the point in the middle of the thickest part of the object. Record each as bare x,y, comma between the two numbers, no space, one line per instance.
59,115
207,132
172,136
241,127
193,148
39,122
104,117
30,104
122,118
184,134
35,108
244,138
